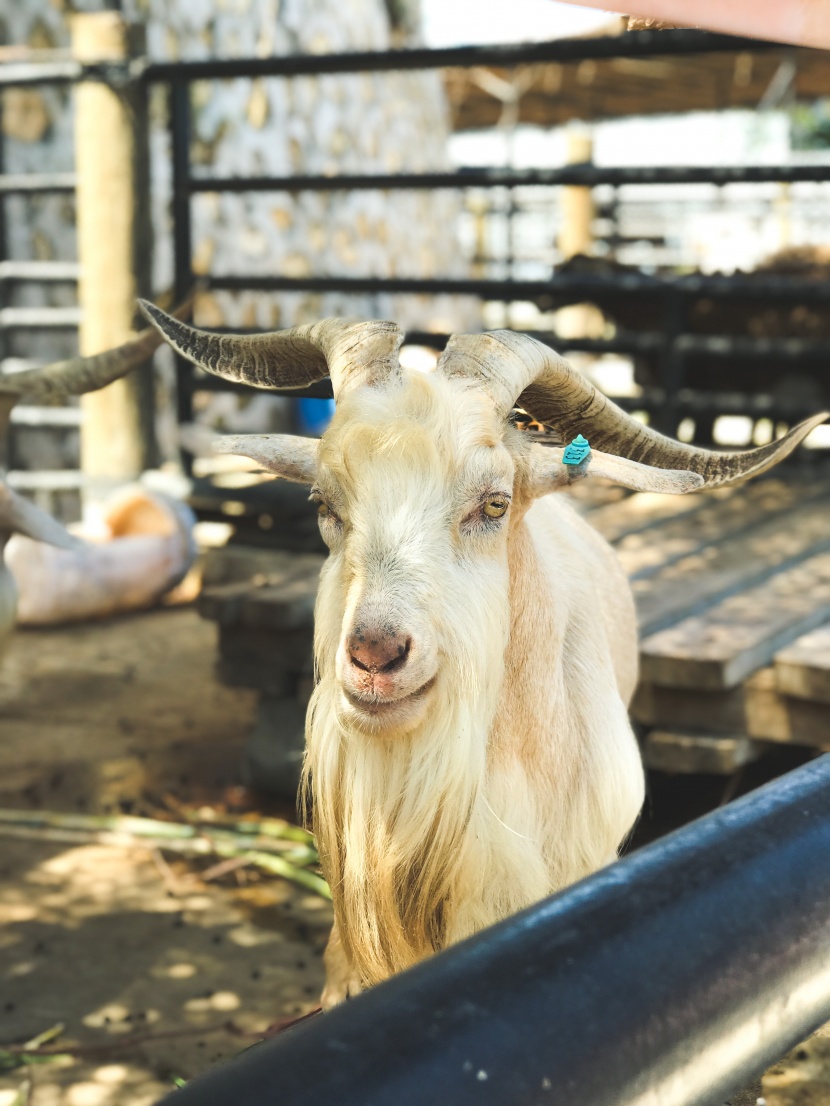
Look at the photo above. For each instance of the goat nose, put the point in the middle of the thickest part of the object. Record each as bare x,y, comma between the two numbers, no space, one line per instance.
378,652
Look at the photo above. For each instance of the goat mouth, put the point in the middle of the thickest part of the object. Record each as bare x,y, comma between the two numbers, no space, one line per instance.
378,708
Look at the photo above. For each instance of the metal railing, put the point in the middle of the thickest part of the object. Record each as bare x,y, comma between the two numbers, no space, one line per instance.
669,347
672,978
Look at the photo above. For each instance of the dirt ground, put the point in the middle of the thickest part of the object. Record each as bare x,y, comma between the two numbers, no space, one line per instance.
121,946
155,969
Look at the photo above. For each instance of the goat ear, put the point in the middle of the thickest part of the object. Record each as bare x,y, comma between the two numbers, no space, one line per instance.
548,473
286,455
19,516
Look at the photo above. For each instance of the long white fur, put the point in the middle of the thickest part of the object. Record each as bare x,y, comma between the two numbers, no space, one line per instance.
523,774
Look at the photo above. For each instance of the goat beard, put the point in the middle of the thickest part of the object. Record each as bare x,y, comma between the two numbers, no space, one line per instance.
393,816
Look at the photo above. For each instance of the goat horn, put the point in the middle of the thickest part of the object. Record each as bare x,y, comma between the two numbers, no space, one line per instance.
516,369
78,375
19,516
350,353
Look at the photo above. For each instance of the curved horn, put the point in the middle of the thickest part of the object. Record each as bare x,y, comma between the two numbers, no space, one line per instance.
350,353
78,375
514,368
19,516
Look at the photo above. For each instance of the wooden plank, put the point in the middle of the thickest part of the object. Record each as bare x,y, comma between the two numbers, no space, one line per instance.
245,563
643,510
723,645
776,717
701,711
271,660
684,752
756,708
646,552
662,516
282,607
695,582
282,602
803,668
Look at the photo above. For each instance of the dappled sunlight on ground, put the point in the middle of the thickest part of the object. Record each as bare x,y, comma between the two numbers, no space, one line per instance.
155,973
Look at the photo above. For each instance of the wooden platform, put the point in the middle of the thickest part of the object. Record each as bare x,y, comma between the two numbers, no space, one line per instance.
733,595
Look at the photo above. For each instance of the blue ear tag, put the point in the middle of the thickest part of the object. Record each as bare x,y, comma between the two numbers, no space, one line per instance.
577,451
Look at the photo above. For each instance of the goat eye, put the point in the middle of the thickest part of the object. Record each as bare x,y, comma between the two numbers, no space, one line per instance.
495,507
323,509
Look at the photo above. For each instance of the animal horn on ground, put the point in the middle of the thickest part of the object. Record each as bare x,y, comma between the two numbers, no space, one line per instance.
78,375
351,353
518,370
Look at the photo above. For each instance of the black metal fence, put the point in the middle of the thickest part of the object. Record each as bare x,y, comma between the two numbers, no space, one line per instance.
669,345
674,977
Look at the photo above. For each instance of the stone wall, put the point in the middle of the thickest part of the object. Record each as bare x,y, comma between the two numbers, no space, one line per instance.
351,123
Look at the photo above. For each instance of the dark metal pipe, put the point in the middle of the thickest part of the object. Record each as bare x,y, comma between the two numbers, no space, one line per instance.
560,288
645,343
648,343
586,175
180,133
669,979
635,44
689,402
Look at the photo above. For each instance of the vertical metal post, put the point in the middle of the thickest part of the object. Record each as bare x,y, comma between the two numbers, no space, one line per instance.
671,363
5,427
182,237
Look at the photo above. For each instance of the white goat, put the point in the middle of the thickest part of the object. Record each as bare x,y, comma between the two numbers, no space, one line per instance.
469,749
18,516
71,377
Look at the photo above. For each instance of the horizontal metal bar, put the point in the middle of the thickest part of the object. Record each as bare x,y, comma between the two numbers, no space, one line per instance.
674,976
40,72
644,343
585,175
46,480
46,318
12,184
11,365
687,402
761,349
635,44
652,343
69,418
561,287
46,272
699,403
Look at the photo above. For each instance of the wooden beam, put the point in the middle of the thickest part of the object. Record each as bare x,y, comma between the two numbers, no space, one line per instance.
727,567
776,717
719,517
803,668
756,709
727,642
118,437
674,751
